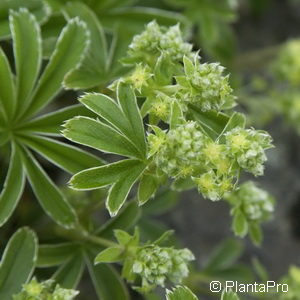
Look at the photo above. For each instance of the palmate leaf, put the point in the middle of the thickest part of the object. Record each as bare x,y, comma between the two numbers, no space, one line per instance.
21,97
93,70
120,190
124,136
128,104
50,124
70,50
147,188
27,44
181,293
17,263
107,282
7,88
121,175
50,32
98,177
55,254
101,64
123,116
95,134
13,186
70,273
39,8
66,157
108,109
51,199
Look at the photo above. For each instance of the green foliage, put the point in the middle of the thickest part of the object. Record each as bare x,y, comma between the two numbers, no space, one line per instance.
212,19
165,121
17,263
123,135
40,9
187,150
180,293
150,262
229,296
292,279
107,282
21,102
45,290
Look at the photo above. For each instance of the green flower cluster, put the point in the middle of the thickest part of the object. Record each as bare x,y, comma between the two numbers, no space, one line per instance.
250,207
248,147
186,151
255,203
179,152
149,264
157,264
155,40
205,85
167,71
46,290
287,65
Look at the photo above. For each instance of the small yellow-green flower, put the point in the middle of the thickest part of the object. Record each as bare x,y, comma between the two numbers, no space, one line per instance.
139,77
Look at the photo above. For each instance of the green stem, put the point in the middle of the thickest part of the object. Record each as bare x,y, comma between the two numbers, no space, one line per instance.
80,234
101,241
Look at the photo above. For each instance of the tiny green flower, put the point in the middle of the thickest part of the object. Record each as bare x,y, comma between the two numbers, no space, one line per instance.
33,288
213,151
139,77
161,107
212,186
208,186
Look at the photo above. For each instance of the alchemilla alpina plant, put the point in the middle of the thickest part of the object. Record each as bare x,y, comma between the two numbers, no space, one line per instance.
153,118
